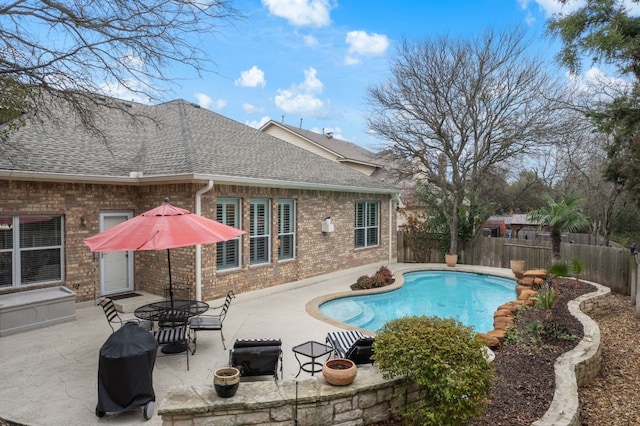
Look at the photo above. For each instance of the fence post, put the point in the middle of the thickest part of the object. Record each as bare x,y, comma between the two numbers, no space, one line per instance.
634,277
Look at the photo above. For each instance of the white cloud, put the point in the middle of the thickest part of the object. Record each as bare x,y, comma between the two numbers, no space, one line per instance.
119,91
207,102
136,88
301,98
252,109
253,77
311,82
310,40
300,13
350,60
596,82
362,43
530,19
550,7
256,124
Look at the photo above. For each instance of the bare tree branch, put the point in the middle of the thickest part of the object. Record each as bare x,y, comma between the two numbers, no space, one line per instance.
456,108
71,49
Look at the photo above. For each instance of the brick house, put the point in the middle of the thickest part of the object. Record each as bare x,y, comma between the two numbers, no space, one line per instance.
61,183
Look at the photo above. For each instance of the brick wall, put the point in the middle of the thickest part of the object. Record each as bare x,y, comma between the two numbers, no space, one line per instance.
316,253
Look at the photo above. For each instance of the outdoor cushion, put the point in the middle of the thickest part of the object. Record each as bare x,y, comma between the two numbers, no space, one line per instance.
205,322
352,345
341,341
170,335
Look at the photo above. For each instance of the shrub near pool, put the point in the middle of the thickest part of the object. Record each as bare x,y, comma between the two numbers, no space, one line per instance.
444,359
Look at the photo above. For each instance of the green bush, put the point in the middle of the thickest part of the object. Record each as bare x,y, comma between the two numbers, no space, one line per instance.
546,299
363,282
444,359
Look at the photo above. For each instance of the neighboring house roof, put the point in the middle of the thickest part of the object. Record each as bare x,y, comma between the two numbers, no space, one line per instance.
170,142
342,150
510,220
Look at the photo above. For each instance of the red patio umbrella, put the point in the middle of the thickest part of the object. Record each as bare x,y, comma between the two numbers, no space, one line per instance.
164,227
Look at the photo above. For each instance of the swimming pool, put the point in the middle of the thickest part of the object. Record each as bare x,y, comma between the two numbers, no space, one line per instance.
470,298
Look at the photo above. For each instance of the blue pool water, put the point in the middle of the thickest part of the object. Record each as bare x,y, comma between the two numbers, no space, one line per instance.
470,298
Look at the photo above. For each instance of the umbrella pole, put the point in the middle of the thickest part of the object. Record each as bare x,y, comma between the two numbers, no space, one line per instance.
170,283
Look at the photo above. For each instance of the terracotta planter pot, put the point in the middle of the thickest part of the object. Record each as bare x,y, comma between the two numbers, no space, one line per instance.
451,259
339,371
226,381
517,266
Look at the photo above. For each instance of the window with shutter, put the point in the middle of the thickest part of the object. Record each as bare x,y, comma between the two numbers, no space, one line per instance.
228,252
259,231
367,224
286,229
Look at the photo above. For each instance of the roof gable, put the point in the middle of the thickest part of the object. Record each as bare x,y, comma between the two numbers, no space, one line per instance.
343,150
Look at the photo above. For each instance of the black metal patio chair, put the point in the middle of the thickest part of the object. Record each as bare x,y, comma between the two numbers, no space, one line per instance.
114,319
209,322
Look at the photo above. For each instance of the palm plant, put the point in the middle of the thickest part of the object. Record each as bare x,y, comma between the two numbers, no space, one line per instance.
564,215
575,268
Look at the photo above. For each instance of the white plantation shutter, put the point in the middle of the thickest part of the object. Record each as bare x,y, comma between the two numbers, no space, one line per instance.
228,252
286,229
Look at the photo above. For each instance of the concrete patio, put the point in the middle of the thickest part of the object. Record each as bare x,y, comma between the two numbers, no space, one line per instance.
49,376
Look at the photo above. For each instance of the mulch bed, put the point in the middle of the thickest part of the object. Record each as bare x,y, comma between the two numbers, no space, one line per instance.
525,381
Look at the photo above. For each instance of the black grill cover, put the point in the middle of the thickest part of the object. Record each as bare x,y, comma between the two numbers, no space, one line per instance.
125,371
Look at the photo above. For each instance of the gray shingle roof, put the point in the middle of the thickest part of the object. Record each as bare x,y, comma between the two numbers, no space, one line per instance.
343,149
171,139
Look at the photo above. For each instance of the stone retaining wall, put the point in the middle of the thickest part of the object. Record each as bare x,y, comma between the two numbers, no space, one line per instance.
370,398
580,365
308,402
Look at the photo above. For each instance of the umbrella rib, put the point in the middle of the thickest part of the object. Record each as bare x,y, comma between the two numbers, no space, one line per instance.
149,239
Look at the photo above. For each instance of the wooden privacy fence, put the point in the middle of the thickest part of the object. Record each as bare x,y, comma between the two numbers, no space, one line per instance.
609,266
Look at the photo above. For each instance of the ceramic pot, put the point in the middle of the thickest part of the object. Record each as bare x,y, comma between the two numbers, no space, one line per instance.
339,371
451,259
226,381
517,266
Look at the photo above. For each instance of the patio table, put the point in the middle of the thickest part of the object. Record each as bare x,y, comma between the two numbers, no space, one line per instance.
165,309
313,350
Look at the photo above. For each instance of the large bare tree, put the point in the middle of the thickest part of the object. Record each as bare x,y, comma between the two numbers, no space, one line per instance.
70,49
460,108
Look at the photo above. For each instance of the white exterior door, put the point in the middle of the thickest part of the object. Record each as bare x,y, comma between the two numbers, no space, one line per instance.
116,268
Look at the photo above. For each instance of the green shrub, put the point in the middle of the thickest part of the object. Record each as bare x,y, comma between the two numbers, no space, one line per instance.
363,282
444,359
546,299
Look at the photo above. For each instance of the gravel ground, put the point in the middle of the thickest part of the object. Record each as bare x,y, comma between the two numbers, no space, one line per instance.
611,399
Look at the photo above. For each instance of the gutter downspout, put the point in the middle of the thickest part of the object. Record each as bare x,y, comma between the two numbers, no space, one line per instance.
391,203
198,211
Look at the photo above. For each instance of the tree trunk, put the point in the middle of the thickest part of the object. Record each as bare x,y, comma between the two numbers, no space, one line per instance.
453,232
556,239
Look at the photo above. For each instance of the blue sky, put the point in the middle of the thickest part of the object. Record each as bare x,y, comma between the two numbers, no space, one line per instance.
312,60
